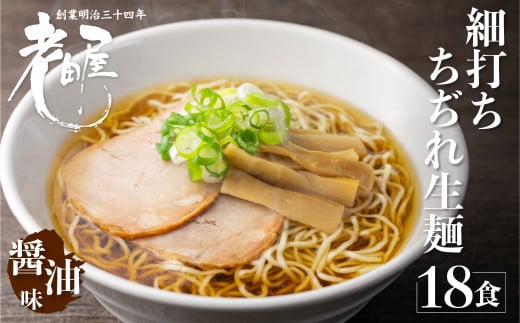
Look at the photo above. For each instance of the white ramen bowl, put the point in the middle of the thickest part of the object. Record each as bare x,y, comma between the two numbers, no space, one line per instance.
329,63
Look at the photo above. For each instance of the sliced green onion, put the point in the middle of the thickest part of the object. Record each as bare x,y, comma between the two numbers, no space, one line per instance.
271,134
239,109
165,154
227,91
246,88
219,121
164,147
194,109
219,168
271,138
205,134
208,97
259,118
248,141
165,130
194,170
218,118
261,100
187,142
179,119
194,93
225,133
227,140
208,154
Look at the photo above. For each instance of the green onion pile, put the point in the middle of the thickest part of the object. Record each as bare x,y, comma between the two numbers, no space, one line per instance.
243,116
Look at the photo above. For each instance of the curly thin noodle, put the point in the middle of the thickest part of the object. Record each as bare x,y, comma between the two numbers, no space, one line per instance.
302,258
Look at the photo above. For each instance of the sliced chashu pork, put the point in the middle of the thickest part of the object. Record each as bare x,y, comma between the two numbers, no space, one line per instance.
229,233
125,188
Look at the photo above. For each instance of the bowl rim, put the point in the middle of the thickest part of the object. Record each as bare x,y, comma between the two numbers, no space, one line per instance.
390,269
